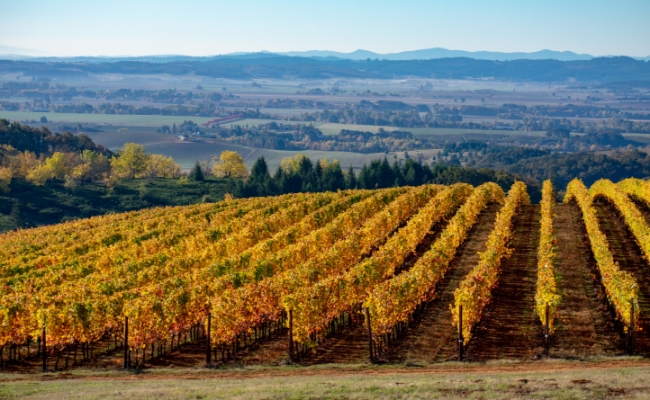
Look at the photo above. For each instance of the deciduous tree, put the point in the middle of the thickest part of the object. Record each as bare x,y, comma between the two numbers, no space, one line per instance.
230,165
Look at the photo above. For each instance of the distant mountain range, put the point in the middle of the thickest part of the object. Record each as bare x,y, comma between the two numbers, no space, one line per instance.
12,53
428,54
273,66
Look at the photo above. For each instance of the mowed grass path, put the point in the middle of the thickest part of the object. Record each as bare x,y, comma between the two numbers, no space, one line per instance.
546,379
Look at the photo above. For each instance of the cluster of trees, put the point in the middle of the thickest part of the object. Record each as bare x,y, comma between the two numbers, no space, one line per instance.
202,109
42,89
42,141
73,169
452,118
363,116
519,111
37,156
536,165
300,174
297,103
306,137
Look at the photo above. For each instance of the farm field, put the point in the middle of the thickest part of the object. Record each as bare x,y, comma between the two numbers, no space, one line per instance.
392,276
454,131
111,119
334,129
186,153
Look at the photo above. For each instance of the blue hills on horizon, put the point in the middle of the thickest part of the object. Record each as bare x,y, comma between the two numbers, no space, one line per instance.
423,54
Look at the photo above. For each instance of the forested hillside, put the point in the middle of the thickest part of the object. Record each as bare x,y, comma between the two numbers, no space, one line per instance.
605,69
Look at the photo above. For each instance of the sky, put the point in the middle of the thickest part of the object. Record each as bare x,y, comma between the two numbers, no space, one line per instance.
211,27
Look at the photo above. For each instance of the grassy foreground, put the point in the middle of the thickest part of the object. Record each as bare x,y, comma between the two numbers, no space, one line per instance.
621,378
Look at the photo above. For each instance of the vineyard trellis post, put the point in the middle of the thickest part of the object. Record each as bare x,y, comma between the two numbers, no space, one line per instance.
290,336
460,333
208,354
126,342
546,332
372,358
630,331
44,340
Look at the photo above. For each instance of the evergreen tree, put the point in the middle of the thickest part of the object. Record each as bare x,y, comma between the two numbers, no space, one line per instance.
386,177
332,178
260,170
197,173
397,172
350,179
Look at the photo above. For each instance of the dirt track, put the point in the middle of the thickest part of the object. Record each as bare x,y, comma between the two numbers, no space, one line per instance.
584,324
509,327
432,338
629,258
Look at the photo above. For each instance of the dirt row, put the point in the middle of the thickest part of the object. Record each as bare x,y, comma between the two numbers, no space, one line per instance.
629,257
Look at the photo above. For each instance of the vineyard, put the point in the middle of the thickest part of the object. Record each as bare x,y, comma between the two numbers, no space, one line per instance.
429,273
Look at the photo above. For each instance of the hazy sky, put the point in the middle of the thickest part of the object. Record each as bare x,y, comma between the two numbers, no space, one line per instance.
195,27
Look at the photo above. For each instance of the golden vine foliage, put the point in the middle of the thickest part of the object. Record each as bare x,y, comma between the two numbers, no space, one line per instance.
474,292
395,300
622,289
348,240
83,298
637,188
246,261
633,218
315,306
547,291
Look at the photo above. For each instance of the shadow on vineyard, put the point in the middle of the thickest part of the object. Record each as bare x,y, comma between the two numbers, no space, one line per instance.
630,259
348,341
585,325
509,327
430,337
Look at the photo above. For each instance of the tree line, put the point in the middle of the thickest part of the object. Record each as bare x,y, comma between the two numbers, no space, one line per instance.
301,174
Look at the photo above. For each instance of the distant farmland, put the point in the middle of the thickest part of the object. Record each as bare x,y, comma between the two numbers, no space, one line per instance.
112,119
187,153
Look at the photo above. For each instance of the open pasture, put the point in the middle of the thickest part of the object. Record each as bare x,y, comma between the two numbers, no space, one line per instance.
108,119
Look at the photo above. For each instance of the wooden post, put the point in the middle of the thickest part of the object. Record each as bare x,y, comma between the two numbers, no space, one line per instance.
208,354
44,341
126,342
372,356
290,336
461,340
546,332
630,331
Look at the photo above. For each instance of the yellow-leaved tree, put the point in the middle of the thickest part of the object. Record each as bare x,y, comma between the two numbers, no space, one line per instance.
40,175
5,179
27,161
159,166
291,165
58,165
229,165
131,161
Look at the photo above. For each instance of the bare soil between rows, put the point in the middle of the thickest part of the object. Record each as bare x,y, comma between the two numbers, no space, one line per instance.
431,337
629,257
